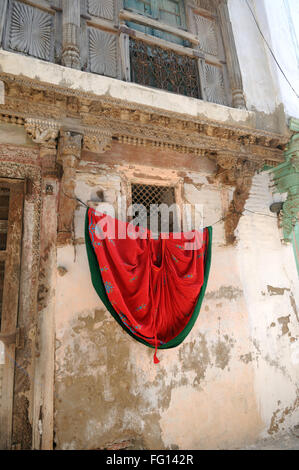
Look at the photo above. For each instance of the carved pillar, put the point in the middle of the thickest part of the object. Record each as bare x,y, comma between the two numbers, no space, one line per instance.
71,34
233,67
286,180
45,133
69,157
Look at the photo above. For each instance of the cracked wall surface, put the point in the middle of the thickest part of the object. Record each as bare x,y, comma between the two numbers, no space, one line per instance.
213,391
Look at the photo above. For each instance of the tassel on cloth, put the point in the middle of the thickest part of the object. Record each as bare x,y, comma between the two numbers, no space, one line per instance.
156,360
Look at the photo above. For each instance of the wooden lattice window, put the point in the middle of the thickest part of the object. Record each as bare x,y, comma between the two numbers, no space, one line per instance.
151,196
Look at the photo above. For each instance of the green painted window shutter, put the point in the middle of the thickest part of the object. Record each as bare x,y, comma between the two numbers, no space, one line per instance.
296,244
171,12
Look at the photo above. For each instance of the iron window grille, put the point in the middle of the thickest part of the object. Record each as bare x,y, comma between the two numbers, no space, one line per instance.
151,196
156,67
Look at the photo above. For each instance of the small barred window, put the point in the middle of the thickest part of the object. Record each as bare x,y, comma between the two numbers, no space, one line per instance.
151,197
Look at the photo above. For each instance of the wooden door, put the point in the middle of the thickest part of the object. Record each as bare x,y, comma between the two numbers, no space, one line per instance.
11,215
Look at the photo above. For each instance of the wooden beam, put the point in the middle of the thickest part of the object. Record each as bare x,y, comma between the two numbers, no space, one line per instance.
100,23
159,42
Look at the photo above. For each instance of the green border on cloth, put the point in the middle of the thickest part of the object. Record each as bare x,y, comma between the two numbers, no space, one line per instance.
98,284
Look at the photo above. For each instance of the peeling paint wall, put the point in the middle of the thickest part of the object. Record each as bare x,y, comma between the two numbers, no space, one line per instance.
268,273
235,376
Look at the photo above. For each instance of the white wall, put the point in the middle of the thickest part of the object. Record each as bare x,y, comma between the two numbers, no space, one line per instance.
282,15
265,86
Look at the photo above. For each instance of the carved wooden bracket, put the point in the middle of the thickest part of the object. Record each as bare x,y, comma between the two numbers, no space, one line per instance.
237,172
70,144
97,141
44,132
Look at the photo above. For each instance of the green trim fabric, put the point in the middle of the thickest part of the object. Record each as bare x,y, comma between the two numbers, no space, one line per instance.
99,287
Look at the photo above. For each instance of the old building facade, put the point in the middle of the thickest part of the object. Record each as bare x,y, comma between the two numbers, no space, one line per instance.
98,98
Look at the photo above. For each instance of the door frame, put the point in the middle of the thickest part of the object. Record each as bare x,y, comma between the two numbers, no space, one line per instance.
10,302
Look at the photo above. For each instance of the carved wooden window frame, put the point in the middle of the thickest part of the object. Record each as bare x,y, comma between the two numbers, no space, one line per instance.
155,15
10,300
208,64
208,59
96,25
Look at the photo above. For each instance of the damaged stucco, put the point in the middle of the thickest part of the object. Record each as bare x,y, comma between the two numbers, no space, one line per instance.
235,378
211,391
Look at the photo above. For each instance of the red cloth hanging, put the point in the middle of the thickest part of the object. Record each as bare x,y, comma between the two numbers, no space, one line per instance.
153,285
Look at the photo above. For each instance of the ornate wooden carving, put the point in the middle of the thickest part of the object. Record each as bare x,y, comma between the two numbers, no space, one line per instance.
233,67
213,83
42,132
165,69
97,141
31,31
212,67
71,33
236,172
10,306
142,125
103,52
69,155
206,31
23,162
45,133
101,8
205,4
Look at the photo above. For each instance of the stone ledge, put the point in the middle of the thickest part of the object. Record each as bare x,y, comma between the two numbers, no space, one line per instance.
84,82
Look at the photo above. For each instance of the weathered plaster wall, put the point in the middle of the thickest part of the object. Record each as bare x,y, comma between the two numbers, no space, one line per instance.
270,284
266,89
232,380
235,377
282,17
259,87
